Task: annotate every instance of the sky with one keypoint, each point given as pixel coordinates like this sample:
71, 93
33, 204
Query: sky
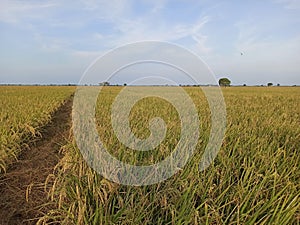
45, 42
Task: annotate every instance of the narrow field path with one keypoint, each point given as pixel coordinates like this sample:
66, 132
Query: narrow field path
22, 196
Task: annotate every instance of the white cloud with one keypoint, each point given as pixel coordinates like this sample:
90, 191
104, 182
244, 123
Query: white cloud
289, 4
266, 58
88, 55
15, 11
98, 36
105, 10
255, 39
150, 28
125, 26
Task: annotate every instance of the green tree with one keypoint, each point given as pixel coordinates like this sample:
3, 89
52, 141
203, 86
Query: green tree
224, 82
270, 84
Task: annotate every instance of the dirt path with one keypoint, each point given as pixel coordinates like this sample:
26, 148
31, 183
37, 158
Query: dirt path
32, 169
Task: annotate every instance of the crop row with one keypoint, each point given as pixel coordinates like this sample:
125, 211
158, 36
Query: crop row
24, 111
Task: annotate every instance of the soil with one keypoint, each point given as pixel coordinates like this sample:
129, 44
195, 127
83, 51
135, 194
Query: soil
23, 198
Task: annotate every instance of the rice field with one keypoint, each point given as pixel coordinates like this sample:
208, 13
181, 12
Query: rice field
253, 180
23, 113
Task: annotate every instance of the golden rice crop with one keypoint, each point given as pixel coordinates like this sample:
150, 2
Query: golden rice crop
253, 180
24, 110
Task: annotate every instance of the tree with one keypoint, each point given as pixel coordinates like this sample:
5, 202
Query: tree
224, 82
105, 83
270, 84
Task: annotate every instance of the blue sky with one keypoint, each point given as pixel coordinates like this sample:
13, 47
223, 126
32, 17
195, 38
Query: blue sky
55, 41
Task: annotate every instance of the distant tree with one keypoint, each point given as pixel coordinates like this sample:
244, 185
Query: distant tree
105, 83
244, 85
278, 85
270, 84
125, 84
224, 82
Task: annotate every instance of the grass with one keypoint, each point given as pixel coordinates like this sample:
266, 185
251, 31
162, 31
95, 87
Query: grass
253, 180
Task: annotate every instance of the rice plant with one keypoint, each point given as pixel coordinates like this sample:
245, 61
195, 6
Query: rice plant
24, 111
